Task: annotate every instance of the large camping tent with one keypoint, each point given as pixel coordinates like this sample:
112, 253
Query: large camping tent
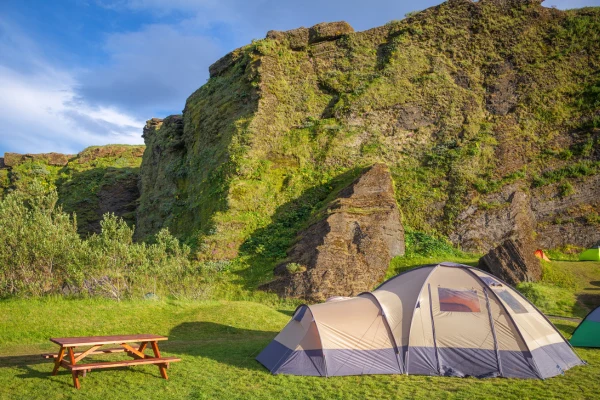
587, 333
445, 319
592, 254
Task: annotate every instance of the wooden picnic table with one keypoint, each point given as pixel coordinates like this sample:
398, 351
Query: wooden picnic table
68, 345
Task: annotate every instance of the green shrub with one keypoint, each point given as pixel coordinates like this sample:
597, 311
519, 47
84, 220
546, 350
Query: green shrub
566, 189
566, 253
41, 253
421, 244
294, 268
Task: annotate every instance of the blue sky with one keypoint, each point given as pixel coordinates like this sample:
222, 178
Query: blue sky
89, 72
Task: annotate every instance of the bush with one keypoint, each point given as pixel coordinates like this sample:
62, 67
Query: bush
41, 253
39, 244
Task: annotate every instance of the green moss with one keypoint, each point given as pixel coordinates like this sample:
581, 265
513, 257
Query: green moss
81, 181
432, 96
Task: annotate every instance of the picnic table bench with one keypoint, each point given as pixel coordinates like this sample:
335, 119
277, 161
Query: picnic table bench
68, 345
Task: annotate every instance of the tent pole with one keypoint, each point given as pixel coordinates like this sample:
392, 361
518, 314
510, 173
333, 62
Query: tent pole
493, 328
387, 327
437, 356
537, 370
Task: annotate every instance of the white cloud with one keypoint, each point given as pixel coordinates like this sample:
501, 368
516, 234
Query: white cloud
155, 68
41, 113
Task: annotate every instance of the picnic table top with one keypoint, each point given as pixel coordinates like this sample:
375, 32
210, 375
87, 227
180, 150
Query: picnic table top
96, 340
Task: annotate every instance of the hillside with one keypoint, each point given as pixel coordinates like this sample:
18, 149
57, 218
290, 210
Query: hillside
98, 180
469, 103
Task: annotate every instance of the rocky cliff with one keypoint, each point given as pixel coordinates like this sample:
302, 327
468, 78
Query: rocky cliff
469, 103
98, 180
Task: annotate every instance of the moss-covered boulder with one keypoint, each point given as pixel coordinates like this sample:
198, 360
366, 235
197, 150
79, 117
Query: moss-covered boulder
349, 249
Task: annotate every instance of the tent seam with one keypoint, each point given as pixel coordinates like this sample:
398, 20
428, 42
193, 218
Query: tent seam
412, 318
387, 325
535, 308
537, 369
493, 329
320, 340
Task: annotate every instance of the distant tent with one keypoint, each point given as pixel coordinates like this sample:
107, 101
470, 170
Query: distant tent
541, 255
587, 333
443, 319
590, 255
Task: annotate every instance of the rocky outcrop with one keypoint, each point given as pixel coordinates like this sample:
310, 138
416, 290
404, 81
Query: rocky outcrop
98, 180
349, 250
558, 220
300, 38
513, 261
568, 220
297, 38
465, 135
508, 214
55, 159
161, 167
222, 64
328, 31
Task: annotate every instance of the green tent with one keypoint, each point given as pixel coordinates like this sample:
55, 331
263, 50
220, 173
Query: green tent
590, 255
587, 334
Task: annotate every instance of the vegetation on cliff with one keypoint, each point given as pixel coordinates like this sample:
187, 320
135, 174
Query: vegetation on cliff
98, 180
41, 253
462, 101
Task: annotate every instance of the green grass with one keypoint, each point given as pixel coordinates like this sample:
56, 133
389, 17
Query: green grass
218, 342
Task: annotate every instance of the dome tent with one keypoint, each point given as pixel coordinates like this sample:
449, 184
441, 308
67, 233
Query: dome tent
587, 333
442, 319
592, 254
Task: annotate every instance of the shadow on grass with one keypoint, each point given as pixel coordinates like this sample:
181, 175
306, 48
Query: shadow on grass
590, 300
225, 344
19, 361
289, 313
595, 283
566, 330
24, 365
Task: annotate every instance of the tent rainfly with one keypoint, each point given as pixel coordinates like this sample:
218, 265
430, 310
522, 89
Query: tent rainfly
587, 333
445, 319
592, 254
539, 253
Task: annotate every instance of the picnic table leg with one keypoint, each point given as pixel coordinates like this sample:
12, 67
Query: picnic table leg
74, 373
61, 354
161, 367
142, 347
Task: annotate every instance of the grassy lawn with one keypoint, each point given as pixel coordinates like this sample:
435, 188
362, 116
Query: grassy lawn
218, 341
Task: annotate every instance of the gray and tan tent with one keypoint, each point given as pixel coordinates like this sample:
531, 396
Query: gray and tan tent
445, 319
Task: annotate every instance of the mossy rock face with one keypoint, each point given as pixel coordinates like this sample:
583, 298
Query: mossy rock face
328, 31
55, 159
98, 180
349, 249
459, 100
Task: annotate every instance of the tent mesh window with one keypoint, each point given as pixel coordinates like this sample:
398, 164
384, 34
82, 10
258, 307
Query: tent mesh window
511, 301
458, 300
